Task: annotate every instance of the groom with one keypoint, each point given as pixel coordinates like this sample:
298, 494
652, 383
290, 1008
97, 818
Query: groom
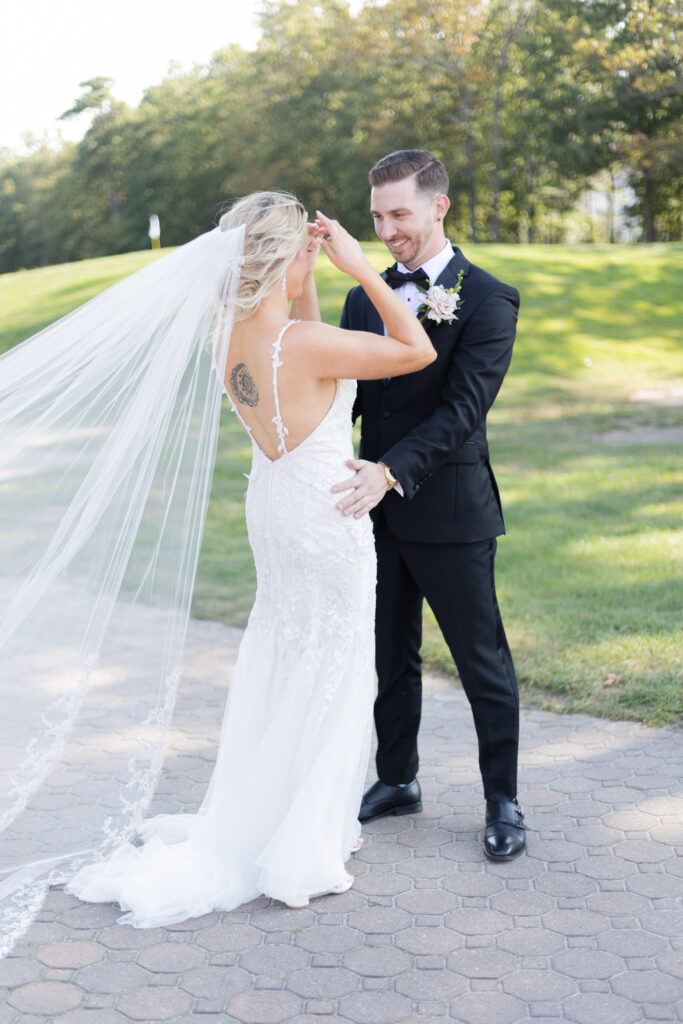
425, 470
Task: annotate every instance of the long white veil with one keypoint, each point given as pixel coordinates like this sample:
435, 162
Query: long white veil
108, 432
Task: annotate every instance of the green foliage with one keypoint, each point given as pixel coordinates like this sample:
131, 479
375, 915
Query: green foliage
523, 99
626, 58
584, 447
97, 96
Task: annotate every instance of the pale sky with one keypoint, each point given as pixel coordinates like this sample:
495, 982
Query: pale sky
48, 46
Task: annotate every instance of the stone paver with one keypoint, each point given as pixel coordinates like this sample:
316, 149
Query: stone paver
587, 928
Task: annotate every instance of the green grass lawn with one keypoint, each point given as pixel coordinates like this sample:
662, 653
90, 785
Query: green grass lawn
585, 439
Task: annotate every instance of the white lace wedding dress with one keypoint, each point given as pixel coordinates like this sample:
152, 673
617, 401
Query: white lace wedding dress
280, 816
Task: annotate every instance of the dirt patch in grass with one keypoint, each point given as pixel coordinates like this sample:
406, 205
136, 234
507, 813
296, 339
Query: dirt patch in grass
669, 395
643, 435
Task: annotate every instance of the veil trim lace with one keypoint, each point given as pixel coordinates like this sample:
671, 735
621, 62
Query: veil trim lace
108, 433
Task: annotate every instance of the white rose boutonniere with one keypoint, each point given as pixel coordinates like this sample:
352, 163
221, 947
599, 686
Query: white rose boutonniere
440, 303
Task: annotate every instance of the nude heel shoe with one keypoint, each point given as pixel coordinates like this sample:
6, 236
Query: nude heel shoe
343, 886
337, 890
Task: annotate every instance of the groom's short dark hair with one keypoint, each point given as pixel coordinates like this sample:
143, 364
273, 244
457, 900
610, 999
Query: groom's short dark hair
430, 174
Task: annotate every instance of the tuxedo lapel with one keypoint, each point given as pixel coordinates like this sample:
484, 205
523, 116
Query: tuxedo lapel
374, 321
447, 279
449, 275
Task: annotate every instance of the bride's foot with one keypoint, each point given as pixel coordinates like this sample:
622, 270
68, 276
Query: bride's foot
343, 886
337, 890
357, 845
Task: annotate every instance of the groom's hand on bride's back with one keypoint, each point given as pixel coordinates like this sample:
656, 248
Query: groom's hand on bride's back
368, 486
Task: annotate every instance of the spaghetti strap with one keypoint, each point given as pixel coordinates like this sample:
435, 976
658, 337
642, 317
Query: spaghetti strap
281, 429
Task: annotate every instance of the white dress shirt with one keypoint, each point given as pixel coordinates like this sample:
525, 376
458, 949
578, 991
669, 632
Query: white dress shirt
409, 295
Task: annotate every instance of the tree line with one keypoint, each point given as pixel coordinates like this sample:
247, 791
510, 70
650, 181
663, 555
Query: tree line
524, 100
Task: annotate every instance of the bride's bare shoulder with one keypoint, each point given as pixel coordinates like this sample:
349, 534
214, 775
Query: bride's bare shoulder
314, 333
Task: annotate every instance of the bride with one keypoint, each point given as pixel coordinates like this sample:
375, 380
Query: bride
280, 814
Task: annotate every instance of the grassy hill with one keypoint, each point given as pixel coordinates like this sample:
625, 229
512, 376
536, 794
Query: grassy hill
586, 443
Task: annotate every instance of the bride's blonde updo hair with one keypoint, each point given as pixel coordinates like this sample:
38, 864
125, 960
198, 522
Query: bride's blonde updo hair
275, 227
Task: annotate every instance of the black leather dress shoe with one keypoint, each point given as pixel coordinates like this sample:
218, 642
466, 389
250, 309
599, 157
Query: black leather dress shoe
505, 834
381, 800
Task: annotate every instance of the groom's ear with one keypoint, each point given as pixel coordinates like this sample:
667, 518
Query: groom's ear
441, 206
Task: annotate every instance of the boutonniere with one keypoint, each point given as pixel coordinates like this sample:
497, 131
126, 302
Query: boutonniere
440, 303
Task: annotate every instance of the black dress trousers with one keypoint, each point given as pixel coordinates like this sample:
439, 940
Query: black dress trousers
458, 582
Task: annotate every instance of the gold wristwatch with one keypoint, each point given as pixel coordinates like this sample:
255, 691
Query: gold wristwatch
391, 479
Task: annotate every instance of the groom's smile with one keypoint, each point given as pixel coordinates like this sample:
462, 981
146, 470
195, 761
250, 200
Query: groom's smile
409, 222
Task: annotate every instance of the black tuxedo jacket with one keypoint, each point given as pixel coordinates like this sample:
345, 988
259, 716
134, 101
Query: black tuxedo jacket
430, 426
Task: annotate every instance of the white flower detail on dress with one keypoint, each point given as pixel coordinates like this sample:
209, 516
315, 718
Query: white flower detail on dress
440, 303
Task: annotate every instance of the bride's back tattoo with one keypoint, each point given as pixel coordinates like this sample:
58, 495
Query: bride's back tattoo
243, 385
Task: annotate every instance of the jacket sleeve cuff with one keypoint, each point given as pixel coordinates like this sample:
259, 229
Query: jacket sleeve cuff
400, 471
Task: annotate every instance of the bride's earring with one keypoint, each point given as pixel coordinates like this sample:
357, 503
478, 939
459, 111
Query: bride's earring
284, 283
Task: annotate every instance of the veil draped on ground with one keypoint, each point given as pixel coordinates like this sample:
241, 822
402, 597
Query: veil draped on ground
108, 433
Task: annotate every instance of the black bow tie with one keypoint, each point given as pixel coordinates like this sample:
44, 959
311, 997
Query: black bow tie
395, 278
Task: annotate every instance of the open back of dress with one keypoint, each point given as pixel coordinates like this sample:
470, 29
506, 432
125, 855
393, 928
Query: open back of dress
265, 425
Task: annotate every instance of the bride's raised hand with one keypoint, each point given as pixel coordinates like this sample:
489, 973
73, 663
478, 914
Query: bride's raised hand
312, 246
342, 248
